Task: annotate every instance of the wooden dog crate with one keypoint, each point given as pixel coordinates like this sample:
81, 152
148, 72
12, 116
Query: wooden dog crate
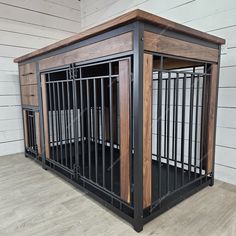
127, 111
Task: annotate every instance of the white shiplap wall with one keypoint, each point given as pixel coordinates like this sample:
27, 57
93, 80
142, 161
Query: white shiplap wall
26, 25
214, 16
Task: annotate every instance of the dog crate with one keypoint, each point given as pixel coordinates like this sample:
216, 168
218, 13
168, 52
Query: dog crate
126, 111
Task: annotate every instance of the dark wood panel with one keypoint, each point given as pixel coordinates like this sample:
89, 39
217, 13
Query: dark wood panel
45, 116
25, 128
171, 63
38, 132
124, 102
163, 44
122, 20
212, 118
118, 44
29, 95
26, 69
147, 129
28, 79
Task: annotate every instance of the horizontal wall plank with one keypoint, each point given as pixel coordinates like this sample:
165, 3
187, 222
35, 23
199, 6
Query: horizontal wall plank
224, 156
10, 113
226, 137
7, 88
46, 8
225, 117
30, 29
13, 51
12, 100
7, 64
9, 76
22, 15
20, 40
223, 19
7, 136
11, 124
228, 58
227, 78
227, 97
15, 146
225, 173
73, 4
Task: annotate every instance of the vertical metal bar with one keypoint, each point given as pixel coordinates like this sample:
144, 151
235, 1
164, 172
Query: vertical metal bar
159, 126
95, 129
165, 132
103, 135
55, 110
111, 124
51, 117
191, 124
138, 123
82, 121
65, 121
196, 129
183, 127
89, 130
59, 120
203, 123
69, 117
75, 118
168, 131
176, 125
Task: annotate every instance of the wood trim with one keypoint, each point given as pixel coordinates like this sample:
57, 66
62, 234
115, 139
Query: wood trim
124, 103
25, 129
38, 133
162, 44
45, 116
118, 44
212, 117
147, 129
119, 21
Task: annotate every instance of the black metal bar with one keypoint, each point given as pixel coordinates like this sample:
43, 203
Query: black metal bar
168, 131
103, 135
59, 121
65, 122
183, 127
176, 125
190, 138
196, 128
50, 94
159, 126
75, 119
69, 116
95, 129
138, 123
111, 124
82, 122
89, 128
56, 120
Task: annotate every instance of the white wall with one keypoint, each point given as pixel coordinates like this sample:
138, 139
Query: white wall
26, 25
214, 16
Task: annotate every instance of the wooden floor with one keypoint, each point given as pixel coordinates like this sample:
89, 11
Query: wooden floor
36, 202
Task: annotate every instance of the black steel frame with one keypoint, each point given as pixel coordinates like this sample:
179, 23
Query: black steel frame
139, 216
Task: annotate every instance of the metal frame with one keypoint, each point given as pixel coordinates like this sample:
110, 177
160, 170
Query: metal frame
139, 216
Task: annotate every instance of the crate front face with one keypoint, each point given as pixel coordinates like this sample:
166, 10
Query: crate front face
88, 125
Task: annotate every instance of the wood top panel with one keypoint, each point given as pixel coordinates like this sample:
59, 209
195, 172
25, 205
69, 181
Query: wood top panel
119, 21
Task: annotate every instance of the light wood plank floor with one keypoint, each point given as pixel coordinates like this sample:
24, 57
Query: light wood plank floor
36, 202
